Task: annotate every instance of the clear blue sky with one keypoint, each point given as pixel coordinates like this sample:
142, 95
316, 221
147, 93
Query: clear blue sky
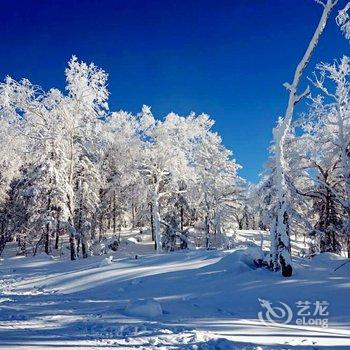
227, 58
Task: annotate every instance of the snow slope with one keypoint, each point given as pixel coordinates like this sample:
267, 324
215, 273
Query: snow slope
208, 299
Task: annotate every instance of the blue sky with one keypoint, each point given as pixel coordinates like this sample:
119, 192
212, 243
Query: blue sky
227, 58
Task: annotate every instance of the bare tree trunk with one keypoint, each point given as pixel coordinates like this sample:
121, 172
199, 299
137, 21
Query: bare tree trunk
47, 239
47, 233
72, 241
152, 226
207, 232
84, 247
72, 231
57, 239
114, 215
100, 228
57, 233
182, 218
72, 244
156, 221
4, 237
133, 214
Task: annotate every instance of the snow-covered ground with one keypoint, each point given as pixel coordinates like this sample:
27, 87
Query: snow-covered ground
184, 300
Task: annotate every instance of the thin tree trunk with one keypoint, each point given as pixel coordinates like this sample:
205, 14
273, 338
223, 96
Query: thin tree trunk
47, 233
156, 221
133, 214
152, 226
57, 238
182, 218
114, 215
100, 228
3, 236
47, 239
72, 244
207, 232
84, 247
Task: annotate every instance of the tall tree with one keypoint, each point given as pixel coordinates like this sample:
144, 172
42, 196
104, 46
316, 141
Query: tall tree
280, 237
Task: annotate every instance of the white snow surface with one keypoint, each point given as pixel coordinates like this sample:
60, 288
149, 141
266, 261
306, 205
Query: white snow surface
192, 300
106, 261
144, 308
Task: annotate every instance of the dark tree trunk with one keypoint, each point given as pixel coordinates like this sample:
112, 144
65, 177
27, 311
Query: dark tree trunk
182, 218
2, 243
207, 232
114, 215
3, 236
72, 244
287, 269
47, 239
84, 248
100, 228
152, 227
57, 238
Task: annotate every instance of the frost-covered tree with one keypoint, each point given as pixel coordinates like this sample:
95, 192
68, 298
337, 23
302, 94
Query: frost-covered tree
326, 153
165, 159
87, 201
11, 159
44, 169
217, 180
72, 169
343, 20
280, 235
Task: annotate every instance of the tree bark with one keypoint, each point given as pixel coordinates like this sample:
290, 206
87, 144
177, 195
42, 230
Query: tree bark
156, 221
152, 226
114, 215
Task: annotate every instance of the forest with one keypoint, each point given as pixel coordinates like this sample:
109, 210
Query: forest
83, 184
73, 168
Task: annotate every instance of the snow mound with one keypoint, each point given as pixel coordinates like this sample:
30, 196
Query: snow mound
331, 263
326, 258
106, 261
251, 254
132, 240
239, 261
144, 308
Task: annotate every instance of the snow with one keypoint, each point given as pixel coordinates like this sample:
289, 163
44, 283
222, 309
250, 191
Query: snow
201, 299
144, 308
106, 261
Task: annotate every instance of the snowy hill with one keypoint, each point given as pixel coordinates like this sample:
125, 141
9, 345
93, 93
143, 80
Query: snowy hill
183, 300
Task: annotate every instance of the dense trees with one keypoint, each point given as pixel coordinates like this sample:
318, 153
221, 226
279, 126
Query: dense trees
73, 171
71, 168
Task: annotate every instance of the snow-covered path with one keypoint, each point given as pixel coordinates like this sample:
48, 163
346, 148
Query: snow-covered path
209, 301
